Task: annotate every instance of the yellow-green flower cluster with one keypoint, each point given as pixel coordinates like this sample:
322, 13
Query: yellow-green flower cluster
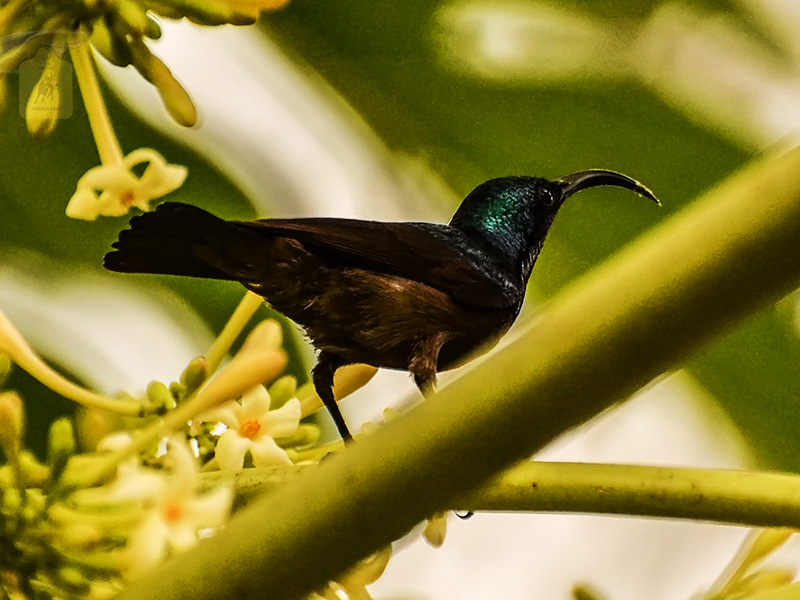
109, 504
119, 30
750, 574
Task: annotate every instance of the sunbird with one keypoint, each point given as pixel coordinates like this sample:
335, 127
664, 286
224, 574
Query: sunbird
421, 297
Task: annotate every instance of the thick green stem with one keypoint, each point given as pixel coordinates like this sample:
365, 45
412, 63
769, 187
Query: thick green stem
638, 315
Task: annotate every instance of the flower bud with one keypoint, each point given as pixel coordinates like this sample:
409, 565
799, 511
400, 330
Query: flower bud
351, 378
763, 581
765, 543
436, 530
305, 435
61, 445
152, 28
264, 336
280, 392
178, 391
73, 579
108, 43
33, 472
194, 375
160, 397
11, 60
346, 381
242, 374
176, 99
92, 426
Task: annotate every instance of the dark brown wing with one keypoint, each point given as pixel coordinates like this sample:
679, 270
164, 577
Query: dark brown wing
436, 255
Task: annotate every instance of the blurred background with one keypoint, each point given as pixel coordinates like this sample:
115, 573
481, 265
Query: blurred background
395, 111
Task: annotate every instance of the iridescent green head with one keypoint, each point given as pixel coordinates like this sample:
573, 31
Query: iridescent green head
514, 214
522, 205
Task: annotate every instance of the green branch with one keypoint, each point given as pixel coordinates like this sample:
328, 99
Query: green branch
753, 499
725, 496
640, 314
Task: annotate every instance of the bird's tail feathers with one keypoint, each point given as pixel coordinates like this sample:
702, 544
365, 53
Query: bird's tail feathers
176, 239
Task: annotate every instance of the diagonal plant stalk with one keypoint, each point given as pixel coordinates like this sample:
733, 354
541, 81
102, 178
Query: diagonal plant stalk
638, 315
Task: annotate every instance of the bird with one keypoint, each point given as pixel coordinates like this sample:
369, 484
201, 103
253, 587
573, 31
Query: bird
415, 296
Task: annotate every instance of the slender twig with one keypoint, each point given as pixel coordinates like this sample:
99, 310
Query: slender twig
755, 499
107, 144
241, 315
19, 351
725, 496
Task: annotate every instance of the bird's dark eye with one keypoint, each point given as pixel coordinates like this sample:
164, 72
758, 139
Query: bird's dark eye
546, 196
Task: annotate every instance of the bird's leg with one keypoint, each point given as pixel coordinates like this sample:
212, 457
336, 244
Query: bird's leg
322, 376
424, 362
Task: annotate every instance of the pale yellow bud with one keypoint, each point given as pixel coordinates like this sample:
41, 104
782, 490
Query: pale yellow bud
346, 381
241, 375
351, 378
766, 542
160, 396
436, 530
305, 435
264, 336
61, 443
176, 99
763, 581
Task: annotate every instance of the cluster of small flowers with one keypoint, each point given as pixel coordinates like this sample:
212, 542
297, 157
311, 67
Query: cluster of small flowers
84, 524
752, 573
118, 31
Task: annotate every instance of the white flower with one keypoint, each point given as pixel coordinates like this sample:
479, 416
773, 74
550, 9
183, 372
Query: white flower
175, 514
112, 189
133, 481
252, 427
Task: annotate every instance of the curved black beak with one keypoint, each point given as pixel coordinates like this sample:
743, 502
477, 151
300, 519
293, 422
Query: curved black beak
583, 180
